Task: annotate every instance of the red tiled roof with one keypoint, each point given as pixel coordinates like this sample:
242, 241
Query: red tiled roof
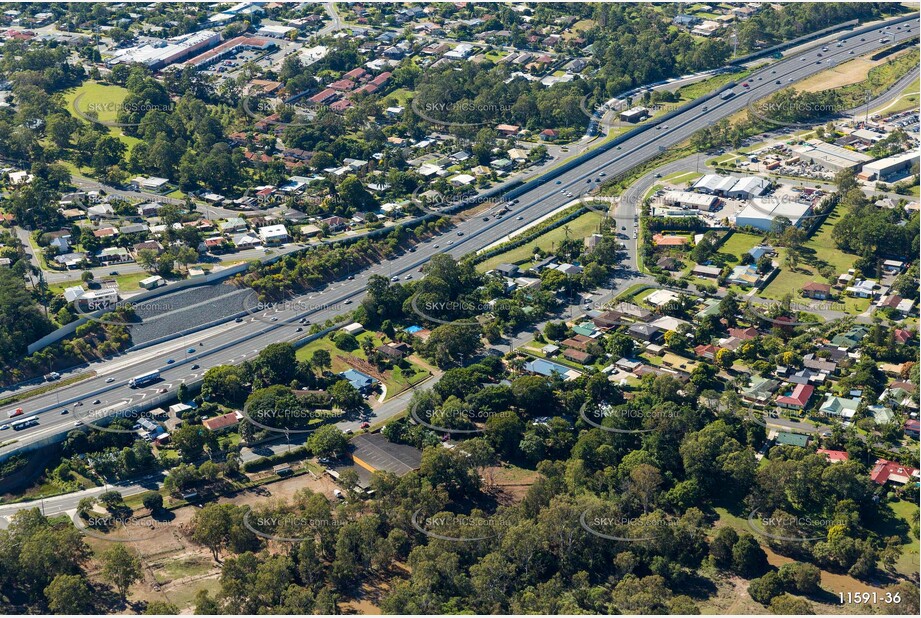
812, 286
744, 334
323, 97
833, 456
886, 470
706, 350
800, 396
221, 422
342, 84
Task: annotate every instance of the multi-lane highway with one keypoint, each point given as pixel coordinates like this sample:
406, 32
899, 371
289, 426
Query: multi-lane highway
234, 342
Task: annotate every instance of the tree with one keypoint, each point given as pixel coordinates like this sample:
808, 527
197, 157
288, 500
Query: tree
789, 605
153, 502
161, 608
69, 594
801, 577
748, 559
122, 567
504, 431
277, 363
321, 359
345, 396
722, 544
211, 527
327, 441
555, 330
764, 589
449, 344
224, 383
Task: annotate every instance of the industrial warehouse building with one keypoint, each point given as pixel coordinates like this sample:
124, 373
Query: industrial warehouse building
634, 114
374, 452
161, 53
715, 184
761, 211
743, 188
686, 199
882, 169
829, 156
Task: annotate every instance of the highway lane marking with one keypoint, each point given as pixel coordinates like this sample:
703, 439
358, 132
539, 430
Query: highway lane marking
795, 72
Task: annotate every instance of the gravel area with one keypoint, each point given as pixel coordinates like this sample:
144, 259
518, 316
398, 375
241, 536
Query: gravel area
169, 314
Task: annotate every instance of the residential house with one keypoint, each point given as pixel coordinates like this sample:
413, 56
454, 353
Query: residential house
832, 455
792, 439
645, 332
222, 422
362, 382
759, 390
817, 291
839, 407
798, 399
892, 471
541, 366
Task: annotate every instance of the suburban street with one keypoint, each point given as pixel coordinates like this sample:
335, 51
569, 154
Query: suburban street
235, 342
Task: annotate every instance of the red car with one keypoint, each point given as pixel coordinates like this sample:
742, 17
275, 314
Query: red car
364, 425
745, 84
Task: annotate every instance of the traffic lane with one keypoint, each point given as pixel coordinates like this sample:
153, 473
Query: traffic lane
686, 126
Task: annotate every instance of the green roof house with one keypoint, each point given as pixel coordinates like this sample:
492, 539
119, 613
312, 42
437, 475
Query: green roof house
792, 439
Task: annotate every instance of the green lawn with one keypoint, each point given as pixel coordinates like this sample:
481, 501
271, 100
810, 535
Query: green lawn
906, 513
394, 380
126, 283
681, 177
495, 55
400, 95
908, 99
105, 100
739, 243
693, 91
580, 227
818, 249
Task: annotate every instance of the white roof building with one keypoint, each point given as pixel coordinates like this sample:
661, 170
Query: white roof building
748, 187
690, 200
715, 183
661, 297
273, 233
760, 212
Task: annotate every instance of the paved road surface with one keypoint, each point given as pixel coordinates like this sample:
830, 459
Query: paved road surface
243, 341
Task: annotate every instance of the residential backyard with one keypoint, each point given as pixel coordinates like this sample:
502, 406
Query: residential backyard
396, 380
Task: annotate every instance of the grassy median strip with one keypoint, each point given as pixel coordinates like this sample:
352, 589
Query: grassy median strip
47, 388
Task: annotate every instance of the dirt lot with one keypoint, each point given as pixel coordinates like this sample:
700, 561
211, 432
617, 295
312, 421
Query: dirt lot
851, 72
175, 569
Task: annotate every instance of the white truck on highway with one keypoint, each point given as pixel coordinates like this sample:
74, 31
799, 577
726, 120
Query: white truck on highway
728, 94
